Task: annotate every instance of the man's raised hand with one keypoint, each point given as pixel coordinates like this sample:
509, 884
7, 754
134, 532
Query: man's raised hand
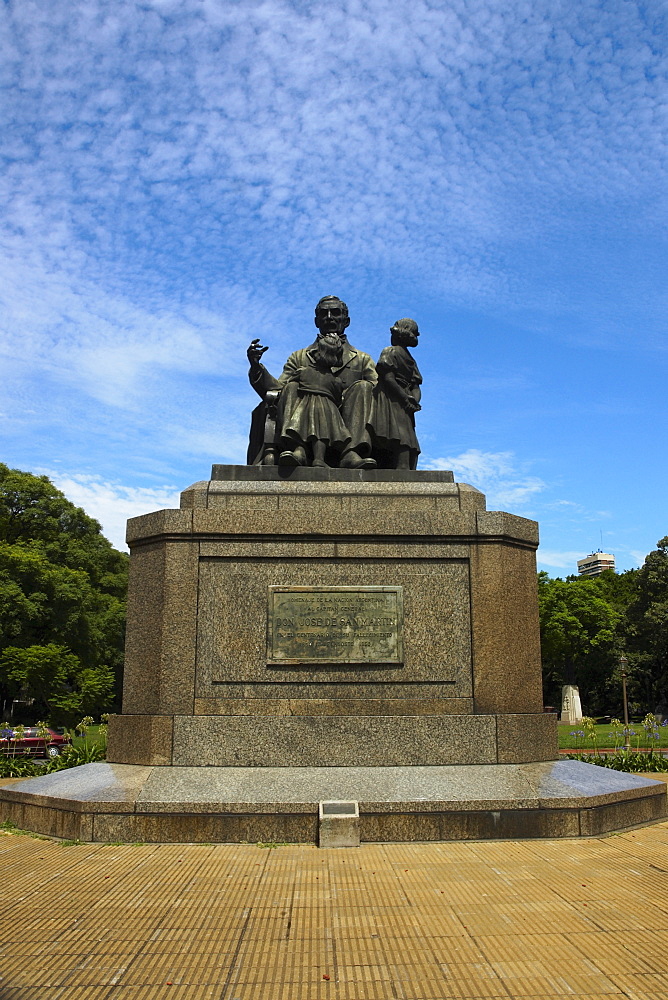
255, 352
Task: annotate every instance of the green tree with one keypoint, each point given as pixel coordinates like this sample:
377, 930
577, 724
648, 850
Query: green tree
62, 601
579, 641
618, 589
647, 631
33, 510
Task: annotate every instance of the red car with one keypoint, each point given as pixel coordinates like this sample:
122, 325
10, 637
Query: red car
31, 745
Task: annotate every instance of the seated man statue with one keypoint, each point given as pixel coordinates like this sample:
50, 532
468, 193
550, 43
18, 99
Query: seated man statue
356, 374
316, 419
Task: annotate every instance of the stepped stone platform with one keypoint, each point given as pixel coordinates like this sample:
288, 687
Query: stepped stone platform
301, 635
107, 802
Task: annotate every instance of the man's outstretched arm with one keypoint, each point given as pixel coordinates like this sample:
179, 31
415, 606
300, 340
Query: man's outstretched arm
258, 376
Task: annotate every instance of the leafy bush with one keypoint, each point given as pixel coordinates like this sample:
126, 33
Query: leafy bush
19, 767
70, 756
74, 756
633, 761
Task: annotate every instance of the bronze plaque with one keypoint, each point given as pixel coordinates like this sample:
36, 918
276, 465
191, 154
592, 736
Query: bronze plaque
334, 625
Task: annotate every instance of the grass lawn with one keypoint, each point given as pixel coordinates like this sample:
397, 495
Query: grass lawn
604, 738
92, 736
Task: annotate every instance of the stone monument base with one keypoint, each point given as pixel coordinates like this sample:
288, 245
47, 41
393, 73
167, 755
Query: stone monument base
429, 736
109, 802
253, 640
298, 636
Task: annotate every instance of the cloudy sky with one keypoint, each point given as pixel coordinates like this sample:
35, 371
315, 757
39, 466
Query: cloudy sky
180, 176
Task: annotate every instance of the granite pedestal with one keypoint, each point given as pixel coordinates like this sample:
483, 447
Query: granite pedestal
129, 802
215, 723
198, 686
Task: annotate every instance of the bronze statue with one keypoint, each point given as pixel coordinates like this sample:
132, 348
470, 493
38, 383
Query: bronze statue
274, 434
397, 399
315, 419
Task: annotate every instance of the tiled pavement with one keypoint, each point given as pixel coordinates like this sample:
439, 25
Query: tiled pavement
559, 918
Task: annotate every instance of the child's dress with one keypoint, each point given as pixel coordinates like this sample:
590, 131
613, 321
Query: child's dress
316, 416
392, 424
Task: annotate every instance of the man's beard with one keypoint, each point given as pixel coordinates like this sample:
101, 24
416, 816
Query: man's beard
330, 353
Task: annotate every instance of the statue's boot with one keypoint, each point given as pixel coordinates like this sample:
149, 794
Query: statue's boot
295, 457
351, 460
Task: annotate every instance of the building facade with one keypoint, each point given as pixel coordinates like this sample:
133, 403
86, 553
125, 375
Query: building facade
596, 563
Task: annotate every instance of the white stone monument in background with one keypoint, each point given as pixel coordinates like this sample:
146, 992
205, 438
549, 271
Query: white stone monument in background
571, 708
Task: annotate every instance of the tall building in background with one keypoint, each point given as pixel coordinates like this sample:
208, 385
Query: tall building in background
595, 563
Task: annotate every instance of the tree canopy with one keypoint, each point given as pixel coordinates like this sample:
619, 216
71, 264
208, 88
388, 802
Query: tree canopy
647, 628
62, 602
587, 623
578, 639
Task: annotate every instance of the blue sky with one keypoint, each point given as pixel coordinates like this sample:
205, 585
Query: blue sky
180, 176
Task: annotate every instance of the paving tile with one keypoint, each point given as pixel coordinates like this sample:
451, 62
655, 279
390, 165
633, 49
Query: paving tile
430, 921
87, 993
181, 970
17, 948
611, 915
99, 969
609, 951
36, 972
537, 995
642, 994
361, 989
520, 947
39, 993
465, 982
646, 983
164, 992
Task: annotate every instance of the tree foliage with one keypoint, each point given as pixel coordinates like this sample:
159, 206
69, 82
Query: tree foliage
578, 639
647, 629
587, 623
62, 602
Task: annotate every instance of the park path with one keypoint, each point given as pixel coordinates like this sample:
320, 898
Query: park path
557, 918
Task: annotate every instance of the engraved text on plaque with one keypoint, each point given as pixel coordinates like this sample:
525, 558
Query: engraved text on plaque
335, 625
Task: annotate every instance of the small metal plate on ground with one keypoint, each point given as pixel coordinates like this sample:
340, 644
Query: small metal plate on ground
338, 824
334, 625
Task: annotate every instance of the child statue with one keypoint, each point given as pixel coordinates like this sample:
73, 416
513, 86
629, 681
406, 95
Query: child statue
396, 400
316, 420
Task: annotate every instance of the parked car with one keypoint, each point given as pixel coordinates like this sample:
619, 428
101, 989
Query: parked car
31, 745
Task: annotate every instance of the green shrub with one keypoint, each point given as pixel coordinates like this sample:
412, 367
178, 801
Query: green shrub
633, 761
19, 767
74, 756
85, 751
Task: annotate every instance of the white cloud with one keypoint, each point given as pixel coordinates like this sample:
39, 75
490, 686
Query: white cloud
431, 140
478, 466
495, 473
108, 347
181, 175
552, 559
113, 503
576, 513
